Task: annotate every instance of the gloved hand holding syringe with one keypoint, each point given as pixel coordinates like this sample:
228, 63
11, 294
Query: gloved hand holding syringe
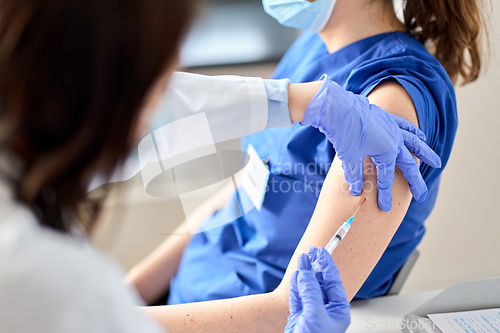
335, 241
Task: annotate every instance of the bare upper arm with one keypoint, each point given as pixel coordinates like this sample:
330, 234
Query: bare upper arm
393, 98
373, 229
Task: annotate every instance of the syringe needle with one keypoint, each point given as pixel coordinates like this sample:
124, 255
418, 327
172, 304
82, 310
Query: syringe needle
335, 240
359, 208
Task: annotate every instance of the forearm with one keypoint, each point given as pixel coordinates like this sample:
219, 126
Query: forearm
152, 276
299, 97
256, 313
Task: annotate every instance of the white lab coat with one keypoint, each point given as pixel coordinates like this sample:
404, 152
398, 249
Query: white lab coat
55, 283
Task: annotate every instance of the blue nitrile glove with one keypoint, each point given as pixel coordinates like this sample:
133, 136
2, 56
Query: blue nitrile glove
358, 129
312, 310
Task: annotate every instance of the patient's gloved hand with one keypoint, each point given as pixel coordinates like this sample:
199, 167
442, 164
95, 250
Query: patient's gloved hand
358, 129
316, 309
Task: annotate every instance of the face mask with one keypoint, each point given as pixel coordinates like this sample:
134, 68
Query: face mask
301, 14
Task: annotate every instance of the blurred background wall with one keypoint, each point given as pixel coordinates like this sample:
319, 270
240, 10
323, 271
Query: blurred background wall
463, 231
463, 237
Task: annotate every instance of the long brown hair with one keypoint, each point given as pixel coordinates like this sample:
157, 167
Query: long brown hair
452, 30
73, 78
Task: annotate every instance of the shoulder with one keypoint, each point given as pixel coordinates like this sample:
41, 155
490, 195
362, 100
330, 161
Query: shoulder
59, 283
399, 54
411, 83
403, 76
395, 99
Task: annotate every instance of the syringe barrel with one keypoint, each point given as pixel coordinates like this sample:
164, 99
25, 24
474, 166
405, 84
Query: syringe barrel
339, 235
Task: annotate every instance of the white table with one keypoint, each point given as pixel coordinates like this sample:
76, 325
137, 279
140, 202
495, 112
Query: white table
384, 314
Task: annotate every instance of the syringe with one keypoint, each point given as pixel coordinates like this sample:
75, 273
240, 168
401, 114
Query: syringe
335, 241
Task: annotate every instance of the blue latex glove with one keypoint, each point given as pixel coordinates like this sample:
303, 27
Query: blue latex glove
315, 309
358, 129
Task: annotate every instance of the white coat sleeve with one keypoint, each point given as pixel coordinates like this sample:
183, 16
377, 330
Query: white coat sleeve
234, 106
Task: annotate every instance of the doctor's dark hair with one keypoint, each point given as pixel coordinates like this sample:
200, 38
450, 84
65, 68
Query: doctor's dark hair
74, 75
453, 32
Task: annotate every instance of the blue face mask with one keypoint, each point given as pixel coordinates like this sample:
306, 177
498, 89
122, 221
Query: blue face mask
301, 14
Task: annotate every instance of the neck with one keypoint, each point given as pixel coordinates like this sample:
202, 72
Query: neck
354, 20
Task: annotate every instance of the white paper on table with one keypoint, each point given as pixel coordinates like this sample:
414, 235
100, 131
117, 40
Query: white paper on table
481, 321
428, 325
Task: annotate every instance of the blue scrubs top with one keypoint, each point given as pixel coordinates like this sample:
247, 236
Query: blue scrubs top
250, 254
